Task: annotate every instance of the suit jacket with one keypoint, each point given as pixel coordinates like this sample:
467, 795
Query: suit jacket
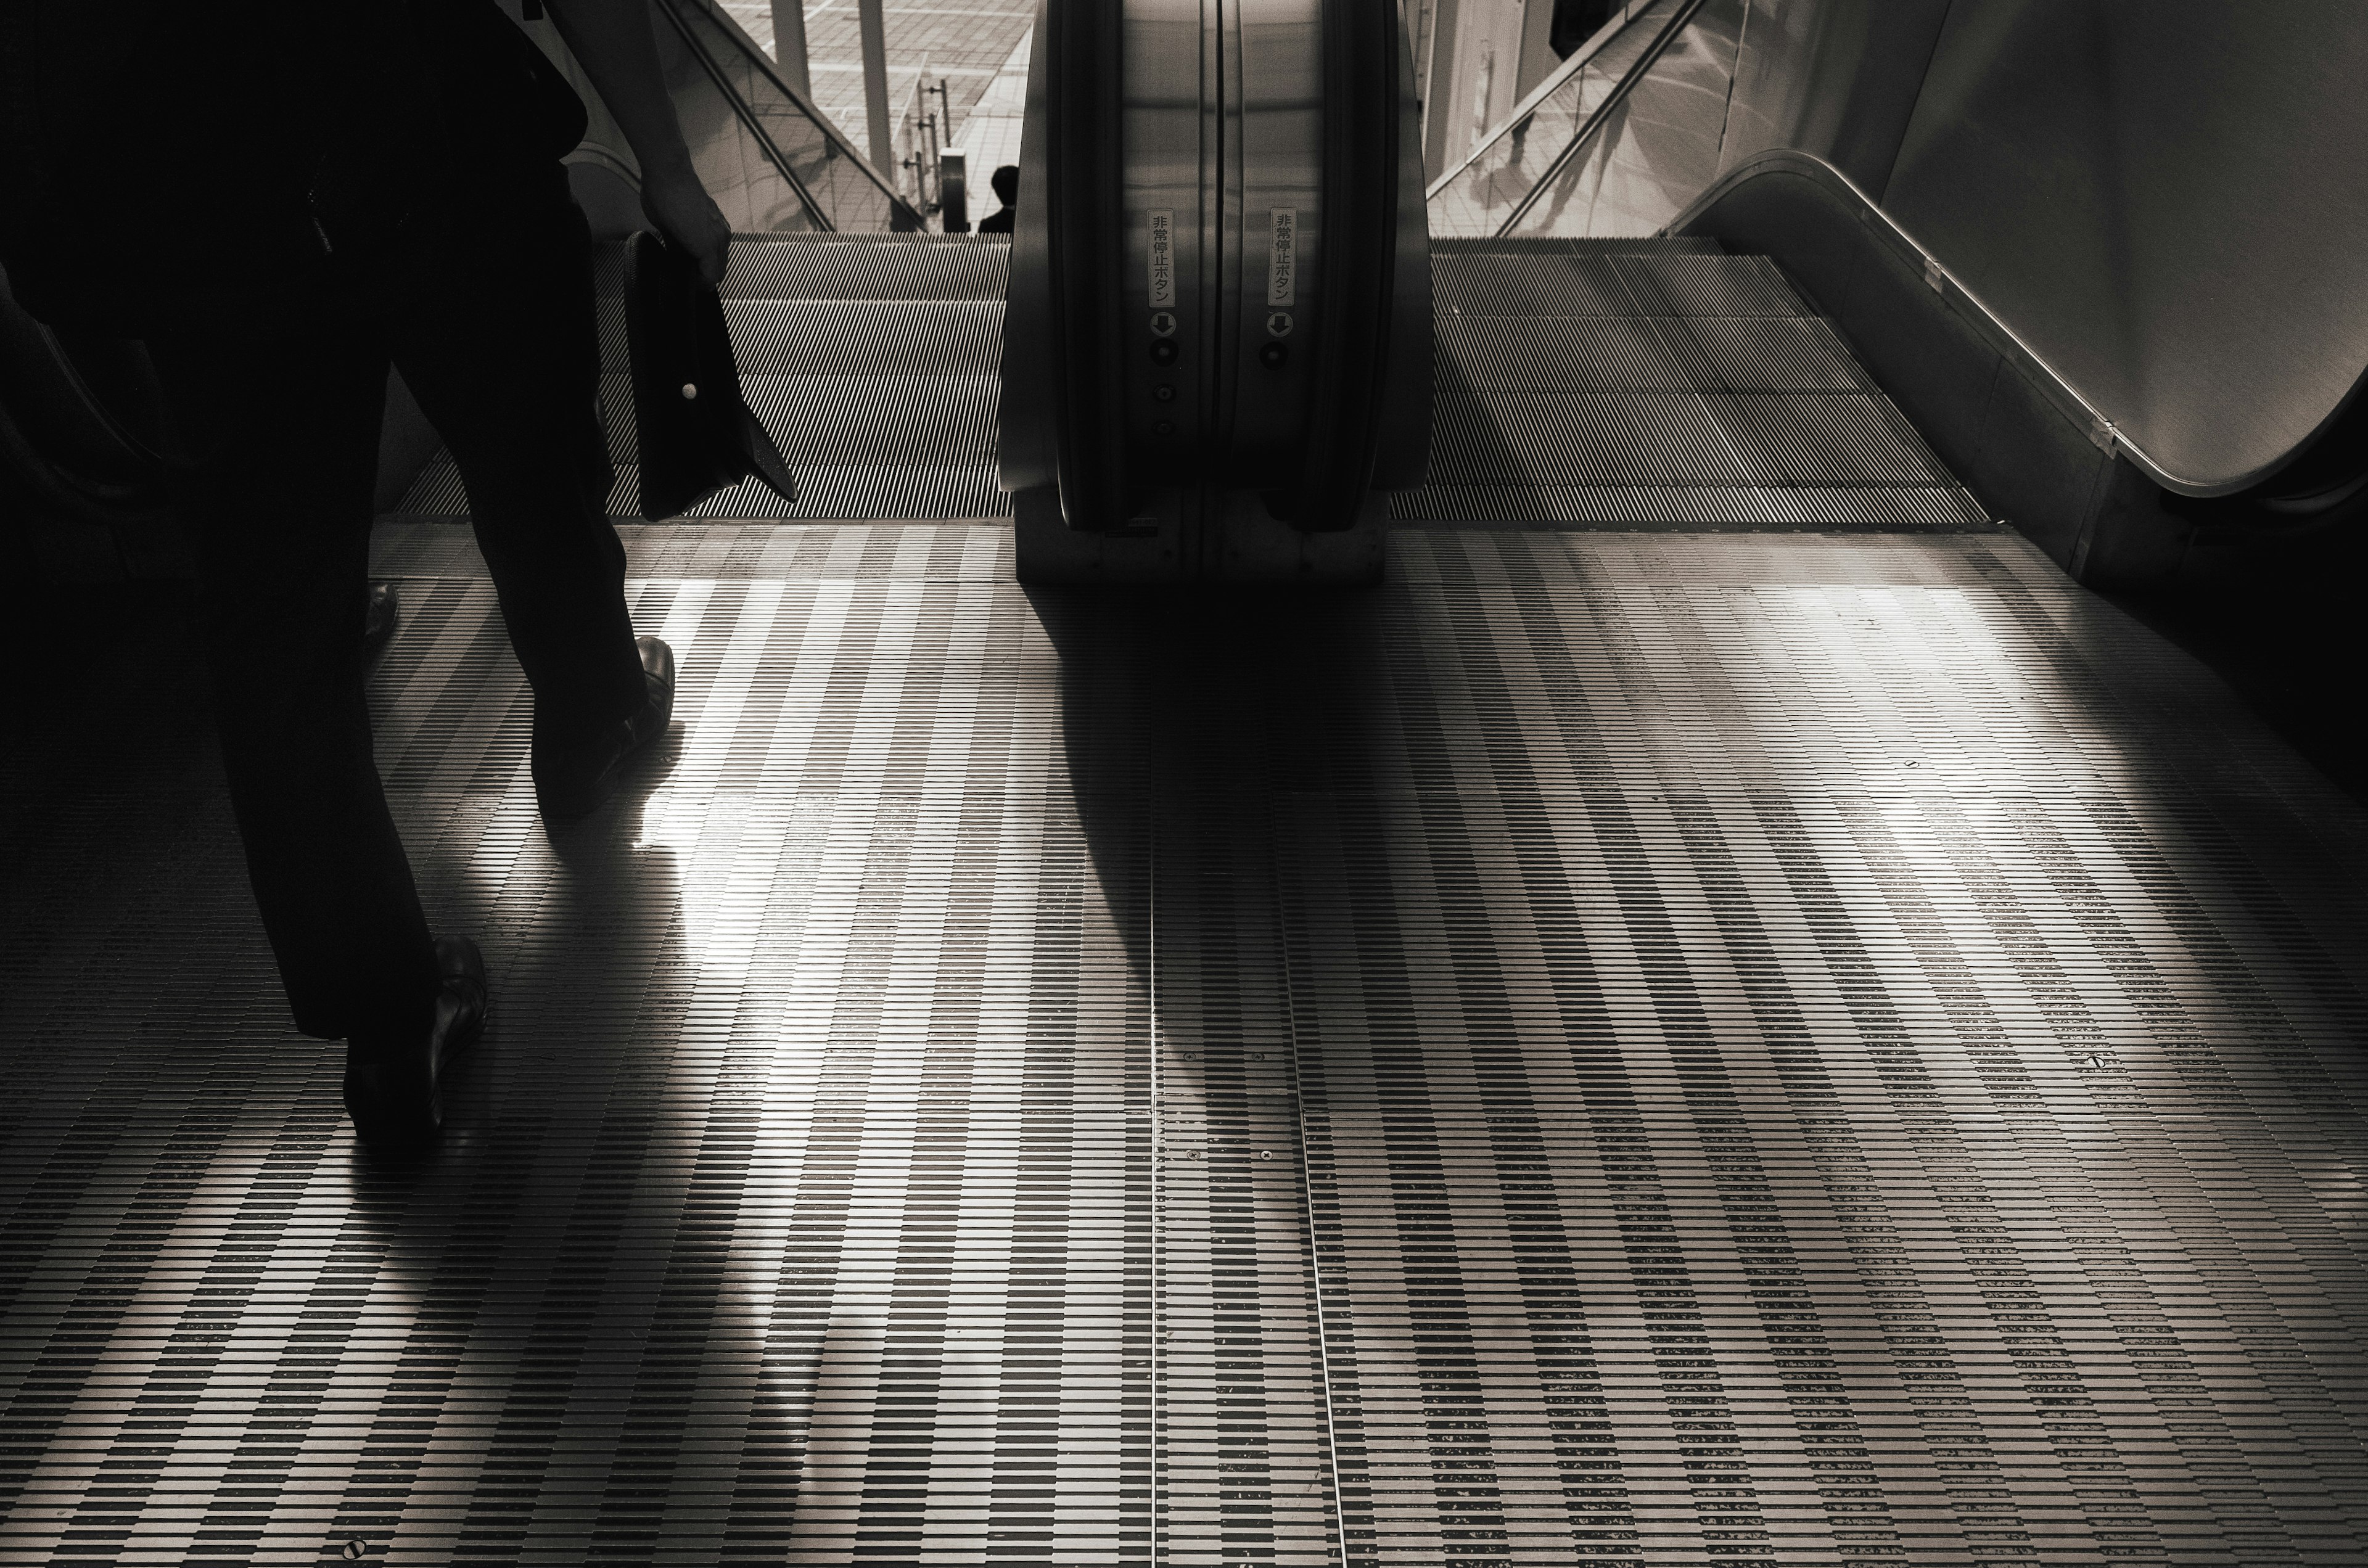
161, 160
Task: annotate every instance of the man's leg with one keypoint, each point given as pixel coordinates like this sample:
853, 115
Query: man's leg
491, 318
284, 423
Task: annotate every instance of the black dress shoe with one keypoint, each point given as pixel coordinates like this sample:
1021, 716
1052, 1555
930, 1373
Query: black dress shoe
379, 614
572, 778
395, 1094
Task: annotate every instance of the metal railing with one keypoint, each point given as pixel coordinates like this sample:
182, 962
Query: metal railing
923, 131
1494, 188
804, 174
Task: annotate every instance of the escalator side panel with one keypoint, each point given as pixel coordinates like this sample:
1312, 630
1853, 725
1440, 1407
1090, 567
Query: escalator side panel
1222, 386
1403, 444
1085, 151
1167, 335
1364, 72
1032, 364
1276, 236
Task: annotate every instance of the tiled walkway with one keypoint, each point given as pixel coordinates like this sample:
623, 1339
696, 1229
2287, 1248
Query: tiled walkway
1671, 1031
1662, 1047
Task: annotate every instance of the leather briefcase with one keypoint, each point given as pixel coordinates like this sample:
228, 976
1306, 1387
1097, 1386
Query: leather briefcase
695, 432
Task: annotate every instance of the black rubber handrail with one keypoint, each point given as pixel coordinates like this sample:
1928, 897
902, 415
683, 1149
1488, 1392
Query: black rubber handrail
2052, 383
64, 438
1679, 21
1359, 265
1085, 229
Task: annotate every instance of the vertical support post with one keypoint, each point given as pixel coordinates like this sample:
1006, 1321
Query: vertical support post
1537, 56
790, 44
1438, 86
874, 31
1420, 20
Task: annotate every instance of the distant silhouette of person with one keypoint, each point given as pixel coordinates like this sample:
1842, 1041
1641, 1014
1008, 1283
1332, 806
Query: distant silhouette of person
281, 197
1005, 181
1576, 21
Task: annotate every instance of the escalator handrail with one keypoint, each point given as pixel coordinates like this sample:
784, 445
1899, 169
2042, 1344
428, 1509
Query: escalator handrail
63, 441
1358, 265
1085, 217
1963, 302
1555, 80
901, 211
1679, 21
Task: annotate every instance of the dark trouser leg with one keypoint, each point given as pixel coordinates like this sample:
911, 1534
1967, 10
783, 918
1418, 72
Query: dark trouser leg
491, 318
284, 421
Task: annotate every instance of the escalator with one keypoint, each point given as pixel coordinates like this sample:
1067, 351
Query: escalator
1636, 973
1217, 354
1683, 120
1660, 383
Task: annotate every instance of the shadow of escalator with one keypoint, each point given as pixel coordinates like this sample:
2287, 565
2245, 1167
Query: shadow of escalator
1187, 717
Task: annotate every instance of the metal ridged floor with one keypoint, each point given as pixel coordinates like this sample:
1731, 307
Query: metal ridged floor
1658, 383
1663, 1046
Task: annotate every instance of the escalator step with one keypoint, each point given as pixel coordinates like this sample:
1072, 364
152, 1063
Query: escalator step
1658, 386
1528, 286
1547, 245
867, 337
954, 266
1558, 353
826, 491
1755, 353
1654, 507
1646, 383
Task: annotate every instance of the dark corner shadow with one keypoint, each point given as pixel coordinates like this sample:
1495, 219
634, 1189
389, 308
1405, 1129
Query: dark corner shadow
2280, 623
116, 690
1189, 716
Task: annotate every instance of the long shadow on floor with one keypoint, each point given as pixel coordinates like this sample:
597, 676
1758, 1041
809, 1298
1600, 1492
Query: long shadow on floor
557, 1283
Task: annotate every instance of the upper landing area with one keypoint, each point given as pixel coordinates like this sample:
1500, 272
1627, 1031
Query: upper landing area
1636, 383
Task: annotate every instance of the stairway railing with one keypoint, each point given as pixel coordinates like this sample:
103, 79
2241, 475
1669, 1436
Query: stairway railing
1491, 191
804, 175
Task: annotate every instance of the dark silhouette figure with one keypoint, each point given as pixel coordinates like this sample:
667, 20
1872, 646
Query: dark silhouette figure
1576, 21
1005, 181
282, 199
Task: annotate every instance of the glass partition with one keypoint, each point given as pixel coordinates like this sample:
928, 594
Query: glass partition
771, 160
1652, 150
1475, 198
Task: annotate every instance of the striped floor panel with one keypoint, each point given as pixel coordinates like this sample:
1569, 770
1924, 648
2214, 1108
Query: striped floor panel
800, 1205
1803, 1056
1678, 1048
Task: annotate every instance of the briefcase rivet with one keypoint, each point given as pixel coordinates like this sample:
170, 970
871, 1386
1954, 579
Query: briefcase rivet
690, 389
